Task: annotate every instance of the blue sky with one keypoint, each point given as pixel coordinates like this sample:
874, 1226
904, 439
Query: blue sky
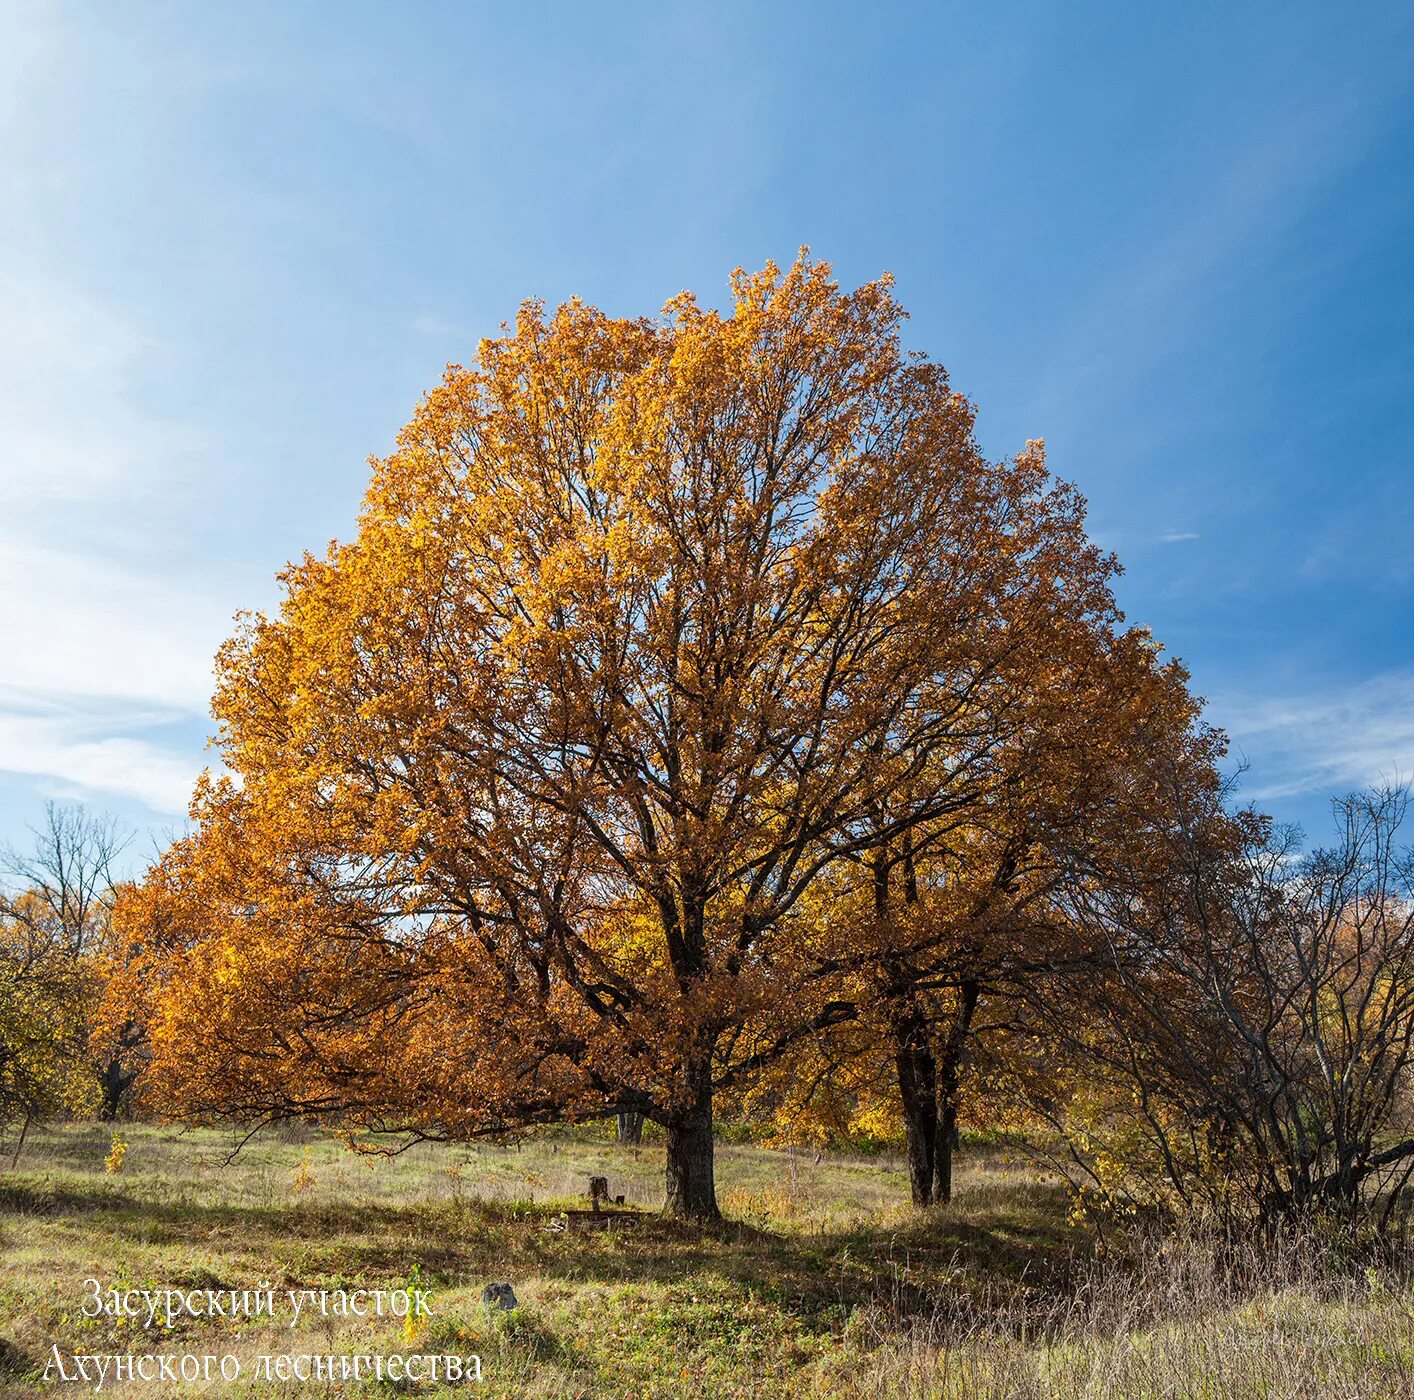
237, 242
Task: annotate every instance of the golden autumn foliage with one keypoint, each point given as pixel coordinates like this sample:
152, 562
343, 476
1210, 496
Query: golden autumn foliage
552, 789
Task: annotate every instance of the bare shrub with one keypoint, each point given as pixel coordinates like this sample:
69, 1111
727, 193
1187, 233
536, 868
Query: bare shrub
1247, 1051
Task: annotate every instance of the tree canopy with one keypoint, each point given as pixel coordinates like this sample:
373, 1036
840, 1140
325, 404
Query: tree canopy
549, 790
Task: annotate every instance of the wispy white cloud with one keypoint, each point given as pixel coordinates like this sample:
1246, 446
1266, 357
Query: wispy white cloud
69, 423
76, 627
106, 657
1177, 536
1324, 742
107, 647
73, 753
108, 675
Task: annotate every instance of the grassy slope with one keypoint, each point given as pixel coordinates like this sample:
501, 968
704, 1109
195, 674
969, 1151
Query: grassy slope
825, 1283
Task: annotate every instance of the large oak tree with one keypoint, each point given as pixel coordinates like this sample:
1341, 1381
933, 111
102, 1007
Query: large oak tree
649, 626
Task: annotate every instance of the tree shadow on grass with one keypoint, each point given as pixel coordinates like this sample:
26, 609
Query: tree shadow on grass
817, 1277
79, 1147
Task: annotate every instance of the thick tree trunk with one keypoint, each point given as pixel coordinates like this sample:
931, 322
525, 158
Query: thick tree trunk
692, 1190
918, 1095
691, 1187
631, 1128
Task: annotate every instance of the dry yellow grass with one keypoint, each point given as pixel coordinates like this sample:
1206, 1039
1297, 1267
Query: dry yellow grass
823, 1283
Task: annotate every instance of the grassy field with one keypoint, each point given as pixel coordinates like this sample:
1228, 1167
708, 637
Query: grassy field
823, 1282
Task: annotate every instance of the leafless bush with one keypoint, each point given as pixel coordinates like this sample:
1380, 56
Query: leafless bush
1248, 1051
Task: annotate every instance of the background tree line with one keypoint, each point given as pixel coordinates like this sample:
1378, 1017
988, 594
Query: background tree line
57, 1054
